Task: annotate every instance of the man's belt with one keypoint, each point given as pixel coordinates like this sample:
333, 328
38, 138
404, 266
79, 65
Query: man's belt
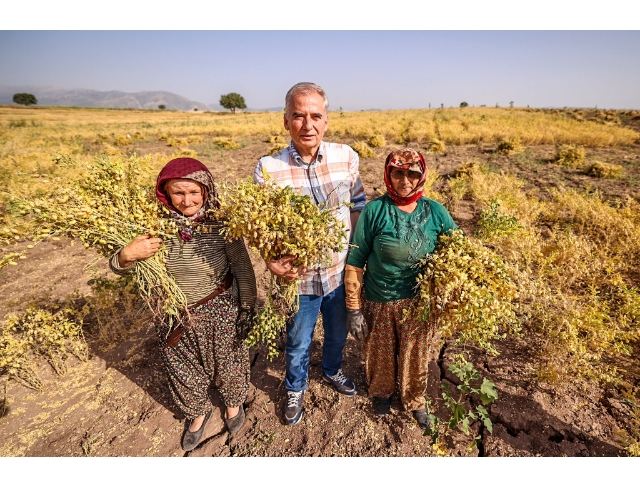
176, 334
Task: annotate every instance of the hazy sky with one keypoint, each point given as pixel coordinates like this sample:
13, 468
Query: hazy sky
358, 69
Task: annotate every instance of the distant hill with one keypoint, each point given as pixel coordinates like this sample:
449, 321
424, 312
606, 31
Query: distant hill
80, 97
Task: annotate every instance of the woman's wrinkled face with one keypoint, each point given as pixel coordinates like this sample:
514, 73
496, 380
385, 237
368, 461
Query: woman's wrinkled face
187, 196
404, 181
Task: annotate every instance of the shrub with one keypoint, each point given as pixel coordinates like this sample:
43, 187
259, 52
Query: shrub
570, 155
120, 140
604, 170
277, 148
185, 153
363, 150
510, 146
436, 146
174, 142
376, 141
226, 143
276, 139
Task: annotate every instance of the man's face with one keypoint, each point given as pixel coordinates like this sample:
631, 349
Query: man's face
306, 121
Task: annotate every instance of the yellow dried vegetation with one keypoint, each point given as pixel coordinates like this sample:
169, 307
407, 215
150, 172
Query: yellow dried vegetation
106, 207
276, 222
52, 335
363, 150
467, 291
570, 155
573, 259
604, 170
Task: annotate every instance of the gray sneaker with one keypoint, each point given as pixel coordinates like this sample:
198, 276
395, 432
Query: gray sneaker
293, 408
341, 383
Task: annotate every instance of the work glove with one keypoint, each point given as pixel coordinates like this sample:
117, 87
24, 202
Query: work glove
245, 322
356, 324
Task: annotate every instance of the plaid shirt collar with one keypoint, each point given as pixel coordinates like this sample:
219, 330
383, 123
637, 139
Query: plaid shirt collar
298, 158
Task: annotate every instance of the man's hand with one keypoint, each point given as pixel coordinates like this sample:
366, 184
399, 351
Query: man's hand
140, 248
284, 269
356, 324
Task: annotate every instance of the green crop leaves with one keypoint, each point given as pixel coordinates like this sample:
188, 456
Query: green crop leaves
462, 416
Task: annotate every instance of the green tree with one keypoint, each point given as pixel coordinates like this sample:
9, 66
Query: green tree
231, 101
511, 104
162, 107
464, 104
25, 99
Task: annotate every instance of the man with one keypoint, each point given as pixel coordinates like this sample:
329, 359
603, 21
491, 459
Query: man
329, 174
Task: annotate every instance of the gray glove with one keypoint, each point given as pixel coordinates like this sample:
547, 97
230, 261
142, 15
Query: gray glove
356, 324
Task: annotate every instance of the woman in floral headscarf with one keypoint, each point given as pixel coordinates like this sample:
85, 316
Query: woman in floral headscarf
218, 281
393, 233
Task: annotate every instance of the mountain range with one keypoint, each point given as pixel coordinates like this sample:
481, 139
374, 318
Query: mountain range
81, 97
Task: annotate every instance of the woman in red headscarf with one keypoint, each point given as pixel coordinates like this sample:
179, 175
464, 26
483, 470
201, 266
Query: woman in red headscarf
218, 281
393, 233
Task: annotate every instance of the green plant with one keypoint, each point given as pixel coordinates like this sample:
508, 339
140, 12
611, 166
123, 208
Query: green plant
460, 417
25, 99
464, 104
494, 224
162, 107
231, 101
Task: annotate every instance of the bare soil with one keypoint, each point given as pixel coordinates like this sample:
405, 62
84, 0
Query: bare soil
117, 403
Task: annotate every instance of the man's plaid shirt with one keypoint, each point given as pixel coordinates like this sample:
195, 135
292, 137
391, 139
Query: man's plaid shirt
333, 178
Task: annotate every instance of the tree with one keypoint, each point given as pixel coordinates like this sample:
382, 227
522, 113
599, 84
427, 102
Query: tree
25, 99
464, 104
231, 101
162, 107
511, 104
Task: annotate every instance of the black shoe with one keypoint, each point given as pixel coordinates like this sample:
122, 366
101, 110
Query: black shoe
421, 416
341, 383
235, 423
293, 408
381, 405
191, 439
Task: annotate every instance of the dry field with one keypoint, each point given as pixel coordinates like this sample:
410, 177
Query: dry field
555, 193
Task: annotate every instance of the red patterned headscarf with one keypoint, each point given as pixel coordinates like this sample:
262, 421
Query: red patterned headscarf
187, 168
405, 159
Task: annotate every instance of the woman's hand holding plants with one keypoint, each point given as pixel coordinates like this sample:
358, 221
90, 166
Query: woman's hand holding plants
140, 248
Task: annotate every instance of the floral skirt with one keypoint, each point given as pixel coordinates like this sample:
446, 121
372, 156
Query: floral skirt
208, 353
396, 350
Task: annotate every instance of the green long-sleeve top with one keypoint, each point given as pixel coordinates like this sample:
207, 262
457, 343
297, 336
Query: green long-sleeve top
390, 242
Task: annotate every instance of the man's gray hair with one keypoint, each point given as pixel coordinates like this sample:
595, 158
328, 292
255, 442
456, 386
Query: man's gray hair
305, 88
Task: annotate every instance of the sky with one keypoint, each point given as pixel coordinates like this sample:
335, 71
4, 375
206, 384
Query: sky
359, 69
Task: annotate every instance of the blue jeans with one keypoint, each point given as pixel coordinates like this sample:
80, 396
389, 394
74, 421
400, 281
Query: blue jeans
300, 333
